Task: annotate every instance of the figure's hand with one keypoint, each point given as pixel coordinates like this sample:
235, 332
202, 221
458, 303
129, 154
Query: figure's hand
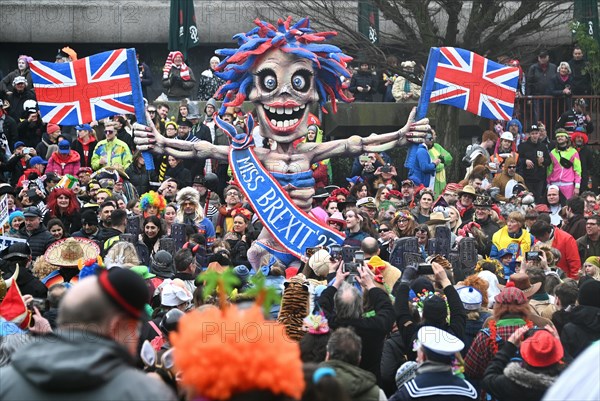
517, 336
440, 275
529, 164
365, 277
147, 137
414, 131
340, 276
41, 325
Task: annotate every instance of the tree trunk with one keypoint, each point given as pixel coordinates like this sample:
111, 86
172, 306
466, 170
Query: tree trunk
445, 119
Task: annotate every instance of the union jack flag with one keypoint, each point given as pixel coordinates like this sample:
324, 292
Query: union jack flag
466, 80
92, 88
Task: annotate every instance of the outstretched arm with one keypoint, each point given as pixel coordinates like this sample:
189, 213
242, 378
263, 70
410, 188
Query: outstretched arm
412, 132
147, 137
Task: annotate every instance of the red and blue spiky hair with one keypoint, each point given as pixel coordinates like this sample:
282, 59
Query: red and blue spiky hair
329, 62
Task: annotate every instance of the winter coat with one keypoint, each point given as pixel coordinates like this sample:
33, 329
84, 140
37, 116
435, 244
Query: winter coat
30, 133
16, 101
116, 152
126, 137
64, 165
500, 182
435, 382
6, 83
581, 82
570, 120
423, 172
360, 384
582, 330
587, 247
28, 284
8, 128
363, 79
39, 240
539, 82
71, 221
586, 158
558, 85
528, 151
177, 88
392, 357
85, 151
15, 167
510, 381
372, 330
46, 147
77, 365
403, 87
208, 83
140, 178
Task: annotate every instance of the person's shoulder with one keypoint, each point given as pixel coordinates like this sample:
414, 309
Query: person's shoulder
146, 387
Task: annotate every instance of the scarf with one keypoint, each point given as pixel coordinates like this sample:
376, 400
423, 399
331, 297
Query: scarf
184, 70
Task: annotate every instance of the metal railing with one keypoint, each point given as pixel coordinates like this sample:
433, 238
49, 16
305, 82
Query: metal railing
548, 109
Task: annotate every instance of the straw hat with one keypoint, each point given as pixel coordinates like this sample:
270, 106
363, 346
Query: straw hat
437, 218
469, 190
67, 252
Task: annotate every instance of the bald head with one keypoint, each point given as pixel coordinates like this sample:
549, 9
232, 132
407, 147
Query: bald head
370, 247
348, 302
85, 305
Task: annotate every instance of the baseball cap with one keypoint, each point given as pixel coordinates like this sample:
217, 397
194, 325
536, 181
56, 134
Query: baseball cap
507, 136
83, 127
32, 211
534, 127
17, 144
64, 147
37, 160
19, 80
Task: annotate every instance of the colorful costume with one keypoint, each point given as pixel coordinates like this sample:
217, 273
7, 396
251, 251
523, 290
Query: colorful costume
565, 171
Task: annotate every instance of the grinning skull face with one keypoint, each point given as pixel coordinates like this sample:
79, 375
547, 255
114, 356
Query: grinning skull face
284, 86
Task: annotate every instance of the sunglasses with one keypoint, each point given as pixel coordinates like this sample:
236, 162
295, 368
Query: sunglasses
106, 132
384, 230
511, 167
151, 111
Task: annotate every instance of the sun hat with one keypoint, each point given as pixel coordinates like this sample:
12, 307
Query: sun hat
437, 218
67, 252
522, 282
542, 349
468, 190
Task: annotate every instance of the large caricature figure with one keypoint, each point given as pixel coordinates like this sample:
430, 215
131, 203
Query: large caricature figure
283, 70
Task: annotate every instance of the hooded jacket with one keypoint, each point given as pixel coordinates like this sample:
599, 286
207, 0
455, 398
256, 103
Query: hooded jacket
582, 330
360, 384
77, 365
64, 164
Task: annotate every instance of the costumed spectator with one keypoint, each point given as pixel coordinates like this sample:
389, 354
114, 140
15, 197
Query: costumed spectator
139, 177
404, 224
506, 176
434, 377
540, 301
19, 254
363, 83
562, 84
190, 212
209, 200
515, 127
238, 239
152, 204
161, 162
569, 262
449, 195
111, 151
337, 221
534, 160
386, 275
233, 200
209, 82
49, 143
403, 89
354, 227
579, 140
505, 147
178, 171
19, 97
581, 80
555, 201
541, 354
511, 311
583, 327
422, 172
512, 236
369, 208
438, 152
66, 55
565, 170
466, 197
85, 144
36, 234
576, 117
65, 161
88, 346
540, 77
475, 301
342, 304
6, 85
178, 79
313, 345
344, 356
145, 75
589, 244
483, 215
575, 221
63, 205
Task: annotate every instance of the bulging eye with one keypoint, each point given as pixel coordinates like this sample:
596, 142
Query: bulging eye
269, 82
298, 82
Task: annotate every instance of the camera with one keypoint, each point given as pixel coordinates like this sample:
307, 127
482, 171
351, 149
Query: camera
364, 159
335, 251
352, 266
39, 303
532, 255
386, 169
26, 151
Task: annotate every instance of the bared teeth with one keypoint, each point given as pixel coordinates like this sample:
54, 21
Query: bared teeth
280, 110
289, 111
296, 108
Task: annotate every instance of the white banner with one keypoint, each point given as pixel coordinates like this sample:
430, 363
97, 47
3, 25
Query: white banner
6, 241
3, 210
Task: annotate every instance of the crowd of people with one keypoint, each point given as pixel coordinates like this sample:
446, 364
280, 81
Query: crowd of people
358, 324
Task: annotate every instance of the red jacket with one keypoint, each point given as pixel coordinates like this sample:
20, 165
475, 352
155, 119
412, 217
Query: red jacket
67, 164
569, 261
